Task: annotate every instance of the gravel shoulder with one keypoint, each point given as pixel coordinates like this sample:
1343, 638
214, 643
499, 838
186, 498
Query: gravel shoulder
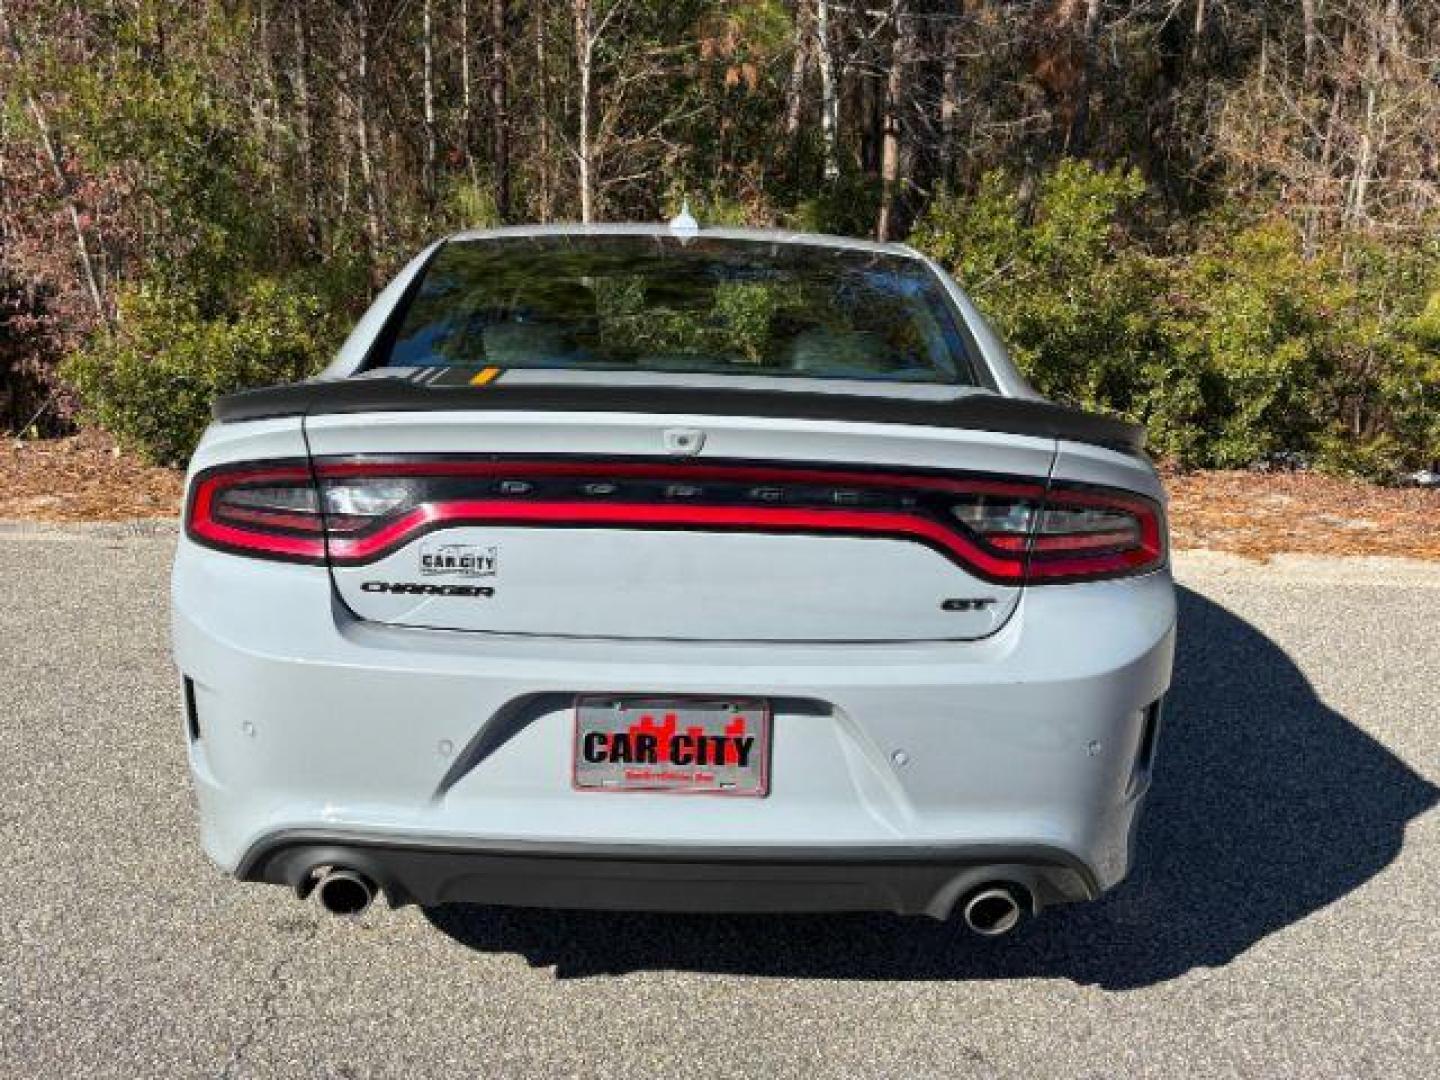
1282, 920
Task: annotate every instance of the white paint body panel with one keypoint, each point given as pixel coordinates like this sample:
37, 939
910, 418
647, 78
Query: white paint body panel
678, 586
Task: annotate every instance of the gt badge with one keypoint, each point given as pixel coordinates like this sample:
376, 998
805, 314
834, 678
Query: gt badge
965, 604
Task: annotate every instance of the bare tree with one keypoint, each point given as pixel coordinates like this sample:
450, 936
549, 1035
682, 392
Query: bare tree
499, 106
950, 97
799, 61
892, 149
542, 82
305, 125
427, 36
589, 31
585, 37
467, 93
1197, 32
829, 100
1311, 32
1089, 57
359, 78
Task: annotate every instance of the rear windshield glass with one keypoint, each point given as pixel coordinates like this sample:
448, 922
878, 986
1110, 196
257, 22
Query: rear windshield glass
643, 303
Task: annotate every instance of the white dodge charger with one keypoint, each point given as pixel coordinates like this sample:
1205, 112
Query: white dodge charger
671, 568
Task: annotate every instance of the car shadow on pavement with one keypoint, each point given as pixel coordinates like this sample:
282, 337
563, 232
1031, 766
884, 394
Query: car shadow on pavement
1267, 805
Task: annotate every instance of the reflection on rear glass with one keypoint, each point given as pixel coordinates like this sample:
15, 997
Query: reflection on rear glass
643, 303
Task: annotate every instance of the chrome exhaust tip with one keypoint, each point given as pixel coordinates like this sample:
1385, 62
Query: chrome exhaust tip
993, 911
345, 893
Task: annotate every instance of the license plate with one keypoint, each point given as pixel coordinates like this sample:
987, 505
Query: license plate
712, 746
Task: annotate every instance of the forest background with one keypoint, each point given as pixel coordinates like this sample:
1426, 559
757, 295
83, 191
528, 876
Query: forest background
1216, 217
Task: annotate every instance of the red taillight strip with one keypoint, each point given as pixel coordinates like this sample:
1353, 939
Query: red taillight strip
1001, 558
280, 519
1091, 567
1062, 543
249, 542
1049, 564
652, 515
1008, 541
203, 526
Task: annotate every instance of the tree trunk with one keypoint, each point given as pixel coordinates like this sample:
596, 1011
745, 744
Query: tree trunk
542, 79
1383, 34
584, 63
1312, 220
1312, 35
829, 102
950, 102
1371, 140
870, 86
892, 149
1089, 55
266, 115
1197, 33
467, 97
1393, 28
55, 158
360, 101
795, 85
305, 128
499, 107
428, 178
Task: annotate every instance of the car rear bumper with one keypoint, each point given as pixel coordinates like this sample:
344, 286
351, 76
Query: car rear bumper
429, 871
898, 771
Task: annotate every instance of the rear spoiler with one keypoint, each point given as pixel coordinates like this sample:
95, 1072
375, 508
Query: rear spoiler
973, 411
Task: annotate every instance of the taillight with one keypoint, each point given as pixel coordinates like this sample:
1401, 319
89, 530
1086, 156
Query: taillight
269, 510
1001, 529
1086, 533
1073, 534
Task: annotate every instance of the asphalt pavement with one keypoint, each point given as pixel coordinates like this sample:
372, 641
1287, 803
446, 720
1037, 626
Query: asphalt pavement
1283, 920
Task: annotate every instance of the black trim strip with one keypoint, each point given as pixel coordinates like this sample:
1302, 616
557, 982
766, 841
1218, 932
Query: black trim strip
906, 879
192, 715
720, 854
976, 411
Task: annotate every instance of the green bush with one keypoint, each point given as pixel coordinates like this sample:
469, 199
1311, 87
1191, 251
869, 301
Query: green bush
1071, 297
150, 381
1386, 399
1242, 346
469, 204
1324, 354
844, 206
1251, 323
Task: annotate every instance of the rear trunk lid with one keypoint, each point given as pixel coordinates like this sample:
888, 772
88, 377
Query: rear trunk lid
679, 525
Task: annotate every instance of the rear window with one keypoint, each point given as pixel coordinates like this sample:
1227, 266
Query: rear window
660, 303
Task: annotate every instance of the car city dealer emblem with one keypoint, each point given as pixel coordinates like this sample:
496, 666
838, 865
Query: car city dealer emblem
459, 560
